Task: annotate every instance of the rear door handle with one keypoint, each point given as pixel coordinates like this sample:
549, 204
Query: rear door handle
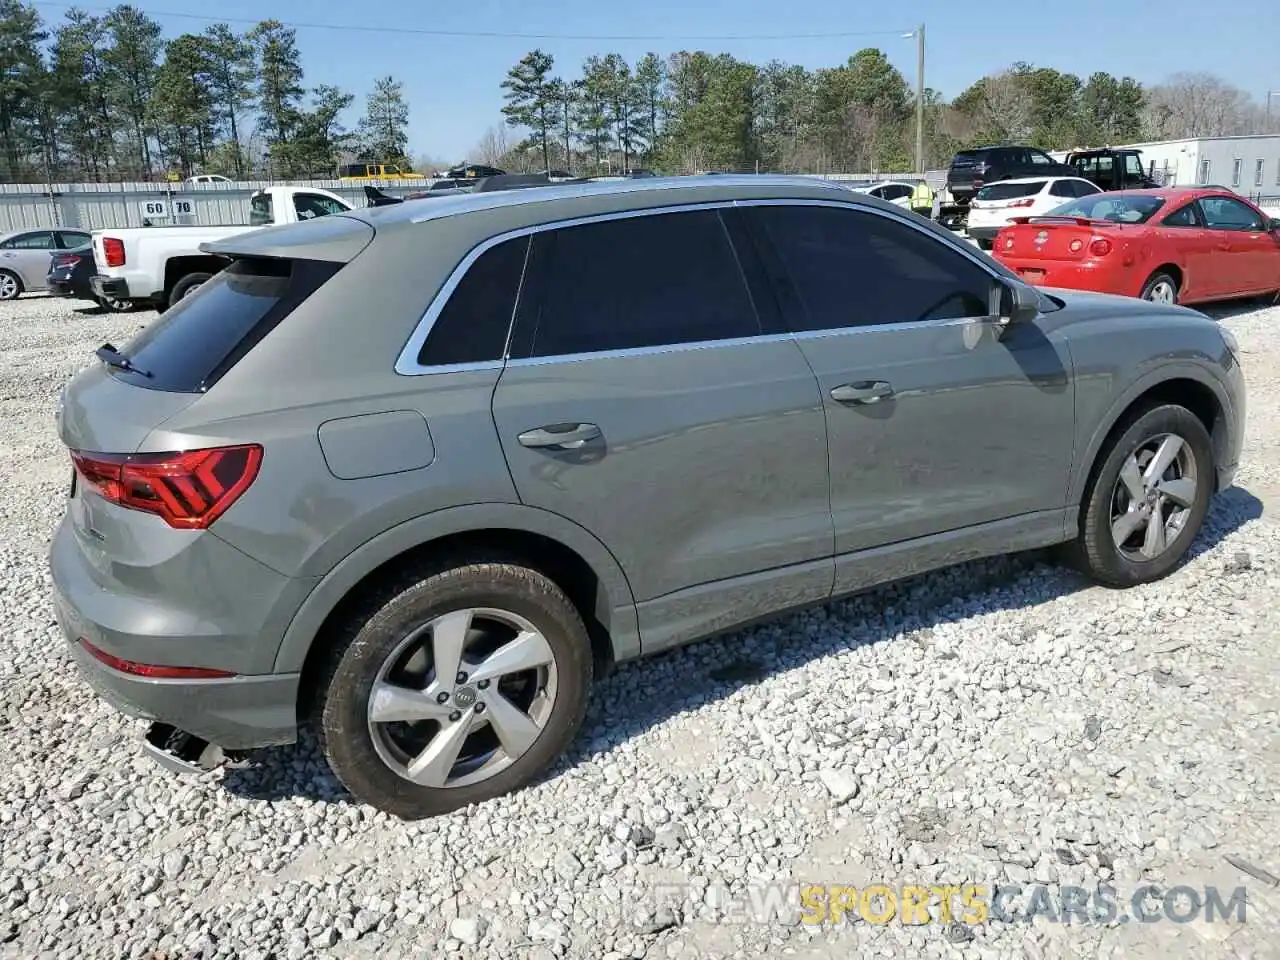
861, 392
565, 435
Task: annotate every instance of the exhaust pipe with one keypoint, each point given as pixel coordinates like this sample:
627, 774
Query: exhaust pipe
179, 751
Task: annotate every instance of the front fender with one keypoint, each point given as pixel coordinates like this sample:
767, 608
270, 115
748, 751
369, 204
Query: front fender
1121, 402
615, 604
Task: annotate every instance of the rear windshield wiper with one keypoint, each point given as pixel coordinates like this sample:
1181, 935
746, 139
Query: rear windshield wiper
114, 358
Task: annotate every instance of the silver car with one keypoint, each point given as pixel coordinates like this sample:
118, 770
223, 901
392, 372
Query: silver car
24, 258
419, 473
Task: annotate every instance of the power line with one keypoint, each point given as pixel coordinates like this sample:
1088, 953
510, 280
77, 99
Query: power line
488, 34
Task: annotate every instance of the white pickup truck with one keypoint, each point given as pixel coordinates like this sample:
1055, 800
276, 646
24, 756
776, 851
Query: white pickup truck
159, 266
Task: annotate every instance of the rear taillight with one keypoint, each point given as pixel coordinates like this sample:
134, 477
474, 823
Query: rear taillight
1100, 247
153, 671
187, 490
65, 260
113, 250
1023, 203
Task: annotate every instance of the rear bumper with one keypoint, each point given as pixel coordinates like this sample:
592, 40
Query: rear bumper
70, 288
110, 288
1070, 276
236, 713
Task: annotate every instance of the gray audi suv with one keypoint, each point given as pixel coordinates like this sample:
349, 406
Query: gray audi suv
416, 474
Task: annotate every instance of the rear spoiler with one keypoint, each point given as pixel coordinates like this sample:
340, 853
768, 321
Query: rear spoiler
377, 198
1079, 221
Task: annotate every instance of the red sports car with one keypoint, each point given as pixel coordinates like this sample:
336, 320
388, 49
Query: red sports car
1174, 245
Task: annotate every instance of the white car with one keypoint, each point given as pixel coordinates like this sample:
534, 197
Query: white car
996, 204
208, 178
895, 191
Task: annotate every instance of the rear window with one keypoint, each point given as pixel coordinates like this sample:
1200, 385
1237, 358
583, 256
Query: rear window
1116, 207
971, 158
1010, 191
261, 211
202, 337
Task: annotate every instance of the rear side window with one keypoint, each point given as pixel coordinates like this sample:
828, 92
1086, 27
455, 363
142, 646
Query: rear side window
260, 210
195, 342
853, 269
642, 281
475, 321
1010, 191
1183, 217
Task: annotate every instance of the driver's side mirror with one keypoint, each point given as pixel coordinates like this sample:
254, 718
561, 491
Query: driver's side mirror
1018, 303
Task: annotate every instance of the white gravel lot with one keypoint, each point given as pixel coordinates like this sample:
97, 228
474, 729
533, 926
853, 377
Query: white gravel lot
997, 722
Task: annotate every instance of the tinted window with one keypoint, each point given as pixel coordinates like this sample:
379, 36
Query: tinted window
477, 316
854, 269
636, 282
1132, 165
1223, 213
1116, 207
971, 158
1183, 217
1063, 188
199, 339
1010, 191
1041, 159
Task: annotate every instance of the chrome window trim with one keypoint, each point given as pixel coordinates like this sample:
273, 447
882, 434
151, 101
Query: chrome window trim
407, 362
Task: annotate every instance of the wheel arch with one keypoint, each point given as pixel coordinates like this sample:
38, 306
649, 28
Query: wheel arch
1173, 270
567, 553
1187, 385
176, 268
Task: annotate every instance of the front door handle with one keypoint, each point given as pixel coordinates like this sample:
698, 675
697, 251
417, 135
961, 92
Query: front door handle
567, 436
863, 391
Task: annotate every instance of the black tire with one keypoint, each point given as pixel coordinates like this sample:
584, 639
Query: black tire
10, 291
115, 306
373, 633
1095, 550
187, 284
1159, 280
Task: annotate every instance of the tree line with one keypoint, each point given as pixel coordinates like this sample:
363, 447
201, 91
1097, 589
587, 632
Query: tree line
697, 111
108, 98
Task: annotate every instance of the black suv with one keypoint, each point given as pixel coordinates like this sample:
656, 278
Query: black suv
970, 169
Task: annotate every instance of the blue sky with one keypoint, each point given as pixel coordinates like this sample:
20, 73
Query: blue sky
452, 82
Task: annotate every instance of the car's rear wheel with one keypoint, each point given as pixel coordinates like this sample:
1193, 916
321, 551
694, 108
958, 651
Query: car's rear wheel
1148, 499
454, 686
1160, 288
10, 285
187, 286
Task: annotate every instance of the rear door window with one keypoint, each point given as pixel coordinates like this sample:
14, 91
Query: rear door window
196, 341
261, 211
643, 281
474, 323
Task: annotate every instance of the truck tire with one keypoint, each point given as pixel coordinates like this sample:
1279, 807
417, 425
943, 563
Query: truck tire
186, 285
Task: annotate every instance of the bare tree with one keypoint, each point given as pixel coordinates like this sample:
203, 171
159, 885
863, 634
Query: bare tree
493, 146
1006, 109
1199, 105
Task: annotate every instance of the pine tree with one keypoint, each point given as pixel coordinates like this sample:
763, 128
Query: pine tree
279, 79
21, 84
529, 97
231, 74
385, 125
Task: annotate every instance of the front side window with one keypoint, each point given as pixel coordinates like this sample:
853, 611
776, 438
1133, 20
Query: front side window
1132, 165
1039, 159
1224, 213
852, 269
642, 281
473, 326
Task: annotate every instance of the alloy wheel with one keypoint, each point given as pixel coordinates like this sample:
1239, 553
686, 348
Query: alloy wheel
1153, 497
1162, 291
8, 286
462, 697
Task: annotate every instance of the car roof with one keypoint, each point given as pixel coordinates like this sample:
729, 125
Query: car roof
1043, 178
1181, 193
341, 236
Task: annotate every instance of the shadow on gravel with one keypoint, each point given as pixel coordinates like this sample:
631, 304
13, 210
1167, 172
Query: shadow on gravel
1230, 309
642, 694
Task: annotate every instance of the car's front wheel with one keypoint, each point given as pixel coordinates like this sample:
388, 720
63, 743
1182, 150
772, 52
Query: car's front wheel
454, 686
1148, 499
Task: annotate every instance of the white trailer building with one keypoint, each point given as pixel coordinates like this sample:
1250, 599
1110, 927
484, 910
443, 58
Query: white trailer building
1248, 165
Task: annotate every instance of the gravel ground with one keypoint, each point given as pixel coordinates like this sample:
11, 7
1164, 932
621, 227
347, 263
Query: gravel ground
997, 722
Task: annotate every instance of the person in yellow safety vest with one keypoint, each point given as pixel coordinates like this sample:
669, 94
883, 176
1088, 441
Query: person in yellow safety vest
922, 199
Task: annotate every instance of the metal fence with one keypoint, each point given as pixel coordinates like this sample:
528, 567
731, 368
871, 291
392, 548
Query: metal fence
101, 206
